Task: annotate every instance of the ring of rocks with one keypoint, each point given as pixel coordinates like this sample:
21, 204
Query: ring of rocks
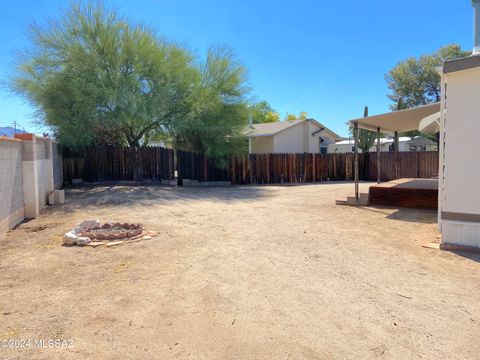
113, 231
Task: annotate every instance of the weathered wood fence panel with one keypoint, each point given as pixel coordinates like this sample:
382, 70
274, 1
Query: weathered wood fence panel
195, 166
292, 168
109, 163
422, 164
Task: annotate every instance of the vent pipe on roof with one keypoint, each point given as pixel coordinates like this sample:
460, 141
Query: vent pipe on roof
476, 27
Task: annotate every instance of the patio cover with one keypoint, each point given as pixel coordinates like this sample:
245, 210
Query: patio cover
431, 124
403, 120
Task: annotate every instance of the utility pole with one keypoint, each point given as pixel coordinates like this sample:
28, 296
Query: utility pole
14, 127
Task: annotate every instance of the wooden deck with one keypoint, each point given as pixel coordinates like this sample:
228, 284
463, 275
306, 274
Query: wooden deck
410, 193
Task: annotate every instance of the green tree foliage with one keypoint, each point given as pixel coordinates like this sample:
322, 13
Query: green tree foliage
415, 81
262, 112
218, 111
94, 75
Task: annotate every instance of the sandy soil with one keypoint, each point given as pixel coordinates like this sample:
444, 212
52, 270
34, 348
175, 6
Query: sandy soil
239, 273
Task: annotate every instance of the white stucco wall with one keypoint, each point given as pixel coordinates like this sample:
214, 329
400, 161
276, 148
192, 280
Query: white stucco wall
290, 140
262, 145
460, 194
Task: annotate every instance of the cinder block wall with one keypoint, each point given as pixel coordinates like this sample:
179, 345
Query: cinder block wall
11, 184
30, 168
44, 165
57, 166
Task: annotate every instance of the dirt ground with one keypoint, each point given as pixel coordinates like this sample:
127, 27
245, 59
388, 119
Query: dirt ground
238, 273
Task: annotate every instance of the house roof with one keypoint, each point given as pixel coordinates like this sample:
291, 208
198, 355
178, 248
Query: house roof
421, 140
271, 129
401, 121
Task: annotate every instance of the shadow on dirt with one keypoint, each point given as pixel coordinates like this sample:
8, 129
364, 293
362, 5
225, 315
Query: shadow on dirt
423, 216
106, 196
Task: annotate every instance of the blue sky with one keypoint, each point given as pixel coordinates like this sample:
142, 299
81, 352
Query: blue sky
327, 58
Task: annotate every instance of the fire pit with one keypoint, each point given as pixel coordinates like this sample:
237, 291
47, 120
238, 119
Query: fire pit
113, 231
92, 231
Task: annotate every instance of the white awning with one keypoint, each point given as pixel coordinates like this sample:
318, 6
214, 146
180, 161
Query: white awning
401, 121
430, 124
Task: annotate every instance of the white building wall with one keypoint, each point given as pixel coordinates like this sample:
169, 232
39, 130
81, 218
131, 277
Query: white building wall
291, 140
262, 145
460, 196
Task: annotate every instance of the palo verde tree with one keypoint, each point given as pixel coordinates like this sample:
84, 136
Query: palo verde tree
93, 75
217, 110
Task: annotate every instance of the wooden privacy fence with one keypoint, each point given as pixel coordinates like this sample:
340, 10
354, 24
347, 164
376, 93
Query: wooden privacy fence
293, 168
421, 164
109, 163
195, 166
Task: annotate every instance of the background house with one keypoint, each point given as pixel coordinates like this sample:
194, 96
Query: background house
418, 143
296, 136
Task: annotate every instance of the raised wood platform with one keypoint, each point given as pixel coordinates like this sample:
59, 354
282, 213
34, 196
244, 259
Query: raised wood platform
410, 193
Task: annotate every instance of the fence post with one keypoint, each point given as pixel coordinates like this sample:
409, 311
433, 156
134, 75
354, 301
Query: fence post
205, 170
250, 167
378, 155
418, 164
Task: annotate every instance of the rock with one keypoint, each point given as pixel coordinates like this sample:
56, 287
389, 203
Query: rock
147, 238
71, 238
89, 224
82, 241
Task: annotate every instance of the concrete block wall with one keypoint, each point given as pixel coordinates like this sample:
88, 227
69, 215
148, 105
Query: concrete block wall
57, 162
27, 177
11, 184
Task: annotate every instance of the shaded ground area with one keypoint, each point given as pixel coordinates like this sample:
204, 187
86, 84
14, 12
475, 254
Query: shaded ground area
239, 273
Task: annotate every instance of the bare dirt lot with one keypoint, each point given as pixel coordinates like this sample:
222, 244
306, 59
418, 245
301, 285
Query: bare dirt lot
239, 273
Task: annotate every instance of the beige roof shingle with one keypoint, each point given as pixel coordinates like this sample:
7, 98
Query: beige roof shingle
270, 129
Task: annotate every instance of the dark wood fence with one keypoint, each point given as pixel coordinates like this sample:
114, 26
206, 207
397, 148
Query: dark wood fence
194, 166
108, 163
308, 168
293, 168
422, 164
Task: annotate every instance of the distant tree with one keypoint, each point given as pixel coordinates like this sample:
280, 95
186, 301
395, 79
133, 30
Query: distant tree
93, 74
262, 112
301, 116
415, 81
